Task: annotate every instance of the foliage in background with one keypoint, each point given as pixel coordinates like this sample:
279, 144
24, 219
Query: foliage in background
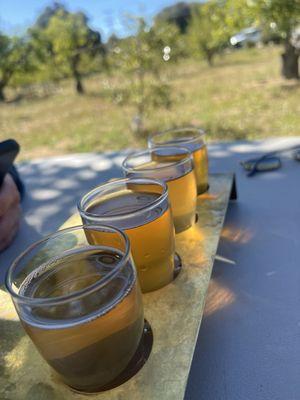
242, 97
285, 16
179, 14
61, 45
142, 58
208, 34
15, 55
65, 44
238, 14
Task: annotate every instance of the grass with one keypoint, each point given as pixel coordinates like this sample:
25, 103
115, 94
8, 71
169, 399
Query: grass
241, 97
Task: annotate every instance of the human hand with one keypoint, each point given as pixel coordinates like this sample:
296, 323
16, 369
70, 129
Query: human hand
10, 211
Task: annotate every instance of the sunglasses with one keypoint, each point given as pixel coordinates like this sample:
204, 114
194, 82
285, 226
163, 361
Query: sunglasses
269, 161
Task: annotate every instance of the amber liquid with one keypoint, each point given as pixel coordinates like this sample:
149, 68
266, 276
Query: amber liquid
151, 235
201, 168
87, 347
182, 194
200, 157
181, 186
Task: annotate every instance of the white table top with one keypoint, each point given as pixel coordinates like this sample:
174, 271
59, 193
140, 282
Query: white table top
249, 342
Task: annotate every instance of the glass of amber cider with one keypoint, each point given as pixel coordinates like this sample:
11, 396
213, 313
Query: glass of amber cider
80, 303
194, 140
140, 207
174, 166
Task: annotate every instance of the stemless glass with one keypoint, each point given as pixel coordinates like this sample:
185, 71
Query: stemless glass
140, 207
80, 303
173, 165
194, 140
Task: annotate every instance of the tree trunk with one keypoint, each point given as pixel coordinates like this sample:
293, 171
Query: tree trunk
2, 96
210, 59
76, 75
138, 120
209, 55
290, 61
79, 86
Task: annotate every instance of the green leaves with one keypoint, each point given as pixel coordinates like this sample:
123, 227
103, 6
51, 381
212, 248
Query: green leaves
143, 58
15, 55
284, 13
61, 44
208, 32
65, 43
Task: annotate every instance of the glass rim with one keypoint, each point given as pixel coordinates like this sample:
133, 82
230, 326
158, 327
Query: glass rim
77, 294
97, 190
171, 164
200, 133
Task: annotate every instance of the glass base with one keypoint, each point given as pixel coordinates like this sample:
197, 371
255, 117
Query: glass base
138, 360
199, 192
177, 265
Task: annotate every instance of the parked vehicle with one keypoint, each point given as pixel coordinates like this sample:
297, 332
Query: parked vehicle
246, 37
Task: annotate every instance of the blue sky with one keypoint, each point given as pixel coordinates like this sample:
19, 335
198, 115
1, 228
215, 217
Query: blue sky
105, 15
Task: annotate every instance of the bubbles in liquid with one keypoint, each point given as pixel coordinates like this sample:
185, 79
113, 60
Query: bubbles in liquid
143, 268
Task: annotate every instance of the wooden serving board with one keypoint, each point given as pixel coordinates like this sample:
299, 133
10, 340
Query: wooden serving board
174, 312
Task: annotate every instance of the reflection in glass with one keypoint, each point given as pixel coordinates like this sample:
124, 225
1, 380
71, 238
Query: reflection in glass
174, 166
192, 139
141, 208
80, 303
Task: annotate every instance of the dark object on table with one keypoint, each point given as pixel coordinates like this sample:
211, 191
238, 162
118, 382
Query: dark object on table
297, 155
233, 193
9, 150
16, 177
266, 164
269, 161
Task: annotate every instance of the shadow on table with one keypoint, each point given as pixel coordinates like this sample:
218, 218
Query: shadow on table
20, 362
55, 185
220, 301
53, 188
251, 313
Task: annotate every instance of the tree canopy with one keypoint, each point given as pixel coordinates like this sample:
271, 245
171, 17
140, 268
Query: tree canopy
142, 57
285, 16
208, 33
66, 43
179, 14
62, 44
14, 57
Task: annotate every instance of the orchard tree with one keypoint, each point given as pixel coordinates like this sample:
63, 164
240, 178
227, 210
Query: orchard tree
14, 57
112, 42
72, 40
208, 33
143, 57
65, 43
285, 16
238, 15
179, 14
